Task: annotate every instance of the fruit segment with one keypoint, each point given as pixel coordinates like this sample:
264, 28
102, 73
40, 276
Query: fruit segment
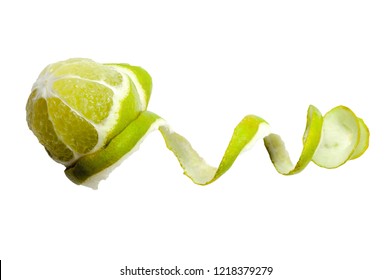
83, 95
74, 131
38, 121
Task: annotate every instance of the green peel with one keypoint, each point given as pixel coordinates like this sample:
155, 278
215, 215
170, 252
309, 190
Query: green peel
90, 169
329, 141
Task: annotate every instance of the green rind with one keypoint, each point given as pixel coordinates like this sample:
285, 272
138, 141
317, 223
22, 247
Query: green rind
129, 110
311, 138
195, 167
118, 147
144, 79
142, 76
363, 143
243, 134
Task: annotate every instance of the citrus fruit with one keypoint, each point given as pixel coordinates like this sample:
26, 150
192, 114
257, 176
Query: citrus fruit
77, 106
91, 116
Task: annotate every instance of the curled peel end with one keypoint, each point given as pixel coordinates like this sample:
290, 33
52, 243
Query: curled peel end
344, 137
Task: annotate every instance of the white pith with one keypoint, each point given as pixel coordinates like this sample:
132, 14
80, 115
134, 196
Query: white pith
44, 89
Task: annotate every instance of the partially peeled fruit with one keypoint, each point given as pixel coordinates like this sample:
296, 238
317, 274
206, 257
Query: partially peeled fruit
91, 116
77, 106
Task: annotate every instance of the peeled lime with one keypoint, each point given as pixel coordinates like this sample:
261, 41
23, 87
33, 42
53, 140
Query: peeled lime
77, 106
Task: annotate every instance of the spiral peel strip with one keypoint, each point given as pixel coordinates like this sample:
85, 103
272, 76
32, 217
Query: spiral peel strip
329, 141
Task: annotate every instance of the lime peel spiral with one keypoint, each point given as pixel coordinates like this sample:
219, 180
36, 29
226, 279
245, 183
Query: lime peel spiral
91, 116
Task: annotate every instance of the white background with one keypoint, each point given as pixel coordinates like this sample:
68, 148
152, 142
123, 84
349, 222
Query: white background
212, 62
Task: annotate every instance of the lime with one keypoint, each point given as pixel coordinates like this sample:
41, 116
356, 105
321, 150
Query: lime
77, 106
91, 116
